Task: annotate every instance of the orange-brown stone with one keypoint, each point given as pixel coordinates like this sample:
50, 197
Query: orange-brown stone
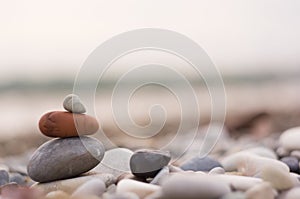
66, 124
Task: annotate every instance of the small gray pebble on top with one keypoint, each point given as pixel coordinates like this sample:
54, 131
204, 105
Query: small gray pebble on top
73, 104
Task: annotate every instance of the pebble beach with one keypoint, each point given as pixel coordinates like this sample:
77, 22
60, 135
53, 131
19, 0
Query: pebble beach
71, 163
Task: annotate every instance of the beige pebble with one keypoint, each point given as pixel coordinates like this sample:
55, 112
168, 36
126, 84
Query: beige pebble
249, 164
192, 186
70, 185
92, 187
292, 194
278, 178
139, 188
57, 194
289, 139
241, 183
261, 191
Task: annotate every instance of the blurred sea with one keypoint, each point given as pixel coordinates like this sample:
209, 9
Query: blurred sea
23, 103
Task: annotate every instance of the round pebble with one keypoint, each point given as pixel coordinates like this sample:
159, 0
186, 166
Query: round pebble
65, 158
200, 164
73, 104
4, 177
217, 170
292, 163
290, 139
93, 187
65, 124
147, 163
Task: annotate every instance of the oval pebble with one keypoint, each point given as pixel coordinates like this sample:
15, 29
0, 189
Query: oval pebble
249, 164
65, 158
65, 124
57, 194
273, 174
193, 186
147, 163
73, 104
200, 164
93, 187
289, 139
139, 188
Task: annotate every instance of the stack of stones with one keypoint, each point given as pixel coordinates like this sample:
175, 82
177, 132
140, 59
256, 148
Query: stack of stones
72, 152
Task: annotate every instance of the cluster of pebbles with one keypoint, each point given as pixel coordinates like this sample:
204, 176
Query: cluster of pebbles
67, 167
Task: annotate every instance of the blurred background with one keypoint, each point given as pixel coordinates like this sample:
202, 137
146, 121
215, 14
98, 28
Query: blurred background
254, 44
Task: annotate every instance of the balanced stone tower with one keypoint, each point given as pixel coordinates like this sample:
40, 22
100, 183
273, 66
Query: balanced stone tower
71, 152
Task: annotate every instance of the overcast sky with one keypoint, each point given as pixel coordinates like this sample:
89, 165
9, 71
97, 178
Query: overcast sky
46, 39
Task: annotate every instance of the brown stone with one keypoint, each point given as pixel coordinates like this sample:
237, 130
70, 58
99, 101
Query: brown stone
66, 124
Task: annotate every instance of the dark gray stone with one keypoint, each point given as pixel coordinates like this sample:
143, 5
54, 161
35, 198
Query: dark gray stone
200, 164
4, 177
17, 178
65, 158
147, 163
292, 163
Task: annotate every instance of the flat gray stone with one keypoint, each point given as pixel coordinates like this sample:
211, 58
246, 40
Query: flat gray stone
65, 158
200, 164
